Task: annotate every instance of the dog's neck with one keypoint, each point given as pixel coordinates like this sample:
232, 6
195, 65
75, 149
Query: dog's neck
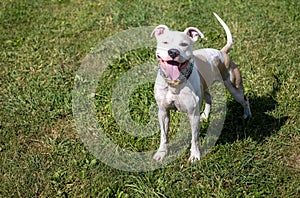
184, 75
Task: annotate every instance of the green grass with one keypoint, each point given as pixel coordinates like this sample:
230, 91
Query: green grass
43, 44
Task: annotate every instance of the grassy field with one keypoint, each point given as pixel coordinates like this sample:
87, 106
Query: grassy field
43, 44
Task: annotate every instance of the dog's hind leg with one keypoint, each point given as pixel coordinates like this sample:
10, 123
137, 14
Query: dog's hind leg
238, 94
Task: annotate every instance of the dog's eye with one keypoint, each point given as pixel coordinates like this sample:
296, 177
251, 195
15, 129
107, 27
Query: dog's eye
165, 42
183, 44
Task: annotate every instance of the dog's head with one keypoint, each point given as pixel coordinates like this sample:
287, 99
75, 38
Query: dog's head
175, 49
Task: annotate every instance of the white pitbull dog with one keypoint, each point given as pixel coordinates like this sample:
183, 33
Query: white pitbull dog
184, 77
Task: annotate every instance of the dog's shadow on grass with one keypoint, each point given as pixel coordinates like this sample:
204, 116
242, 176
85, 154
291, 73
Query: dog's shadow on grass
261, 125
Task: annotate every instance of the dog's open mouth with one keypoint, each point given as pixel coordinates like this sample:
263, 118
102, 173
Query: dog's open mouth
173, 63
181, 66
172, 68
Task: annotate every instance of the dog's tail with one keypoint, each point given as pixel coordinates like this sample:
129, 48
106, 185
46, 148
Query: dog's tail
228, 46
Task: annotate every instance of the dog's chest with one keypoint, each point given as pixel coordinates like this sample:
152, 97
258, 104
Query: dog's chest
184, 100
172, 100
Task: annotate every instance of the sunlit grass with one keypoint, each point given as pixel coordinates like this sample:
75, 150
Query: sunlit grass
43, 43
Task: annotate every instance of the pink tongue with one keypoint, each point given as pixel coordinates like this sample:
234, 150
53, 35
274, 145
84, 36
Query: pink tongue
172, 72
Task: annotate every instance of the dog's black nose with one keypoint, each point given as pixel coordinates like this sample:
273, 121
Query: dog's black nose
173, 53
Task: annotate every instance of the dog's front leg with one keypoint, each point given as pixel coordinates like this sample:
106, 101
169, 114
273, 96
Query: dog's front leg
164, 119
195, 126
208, 101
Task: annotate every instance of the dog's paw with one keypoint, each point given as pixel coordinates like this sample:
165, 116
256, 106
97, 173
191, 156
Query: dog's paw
247, 113
160, 155
203, 116
195, 156
245, 116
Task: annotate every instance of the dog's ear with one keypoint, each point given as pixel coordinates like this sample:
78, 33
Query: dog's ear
159, 30
194, 33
